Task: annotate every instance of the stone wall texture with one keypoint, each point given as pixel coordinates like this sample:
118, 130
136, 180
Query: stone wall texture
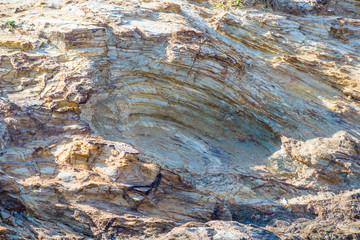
180, 119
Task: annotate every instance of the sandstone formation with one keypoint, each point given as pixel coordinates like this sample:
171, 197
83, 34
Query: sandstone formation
180, 119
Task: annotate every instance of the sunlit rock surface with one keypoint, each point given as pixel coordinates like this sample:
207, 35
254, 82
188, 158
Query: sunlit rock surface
179, 119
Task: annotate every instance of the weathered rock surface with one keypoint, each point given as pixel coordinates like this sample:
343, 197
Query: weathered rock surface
218, 230
128, 119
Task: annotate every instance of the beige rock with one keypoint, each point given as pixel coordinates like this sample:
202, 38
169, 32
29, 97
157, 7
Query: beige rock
320, 163
167, 7
218, 230
178, 120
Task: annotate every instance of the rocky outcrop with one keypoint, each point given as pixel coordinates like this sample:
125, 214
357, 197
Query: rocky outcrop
179, 119
218, 230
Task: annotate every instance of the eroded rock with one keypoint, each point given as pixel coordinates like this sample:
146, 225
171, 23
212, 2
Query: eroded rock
176, 120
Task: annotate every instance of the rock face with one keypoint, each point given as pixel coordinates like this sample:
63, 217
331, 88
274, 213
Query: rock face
134, 119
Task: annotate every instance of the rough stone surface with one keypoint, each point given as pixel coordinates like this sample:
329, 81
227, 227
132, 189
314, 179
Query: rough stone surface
151, 119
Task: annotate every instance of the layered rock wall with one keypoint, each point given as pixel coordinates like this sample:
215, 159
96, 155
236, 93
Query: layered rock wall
179, 120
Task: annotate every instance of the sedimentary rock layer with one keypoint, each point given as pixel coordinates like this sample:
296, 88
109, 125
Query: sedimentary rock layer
179, 119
